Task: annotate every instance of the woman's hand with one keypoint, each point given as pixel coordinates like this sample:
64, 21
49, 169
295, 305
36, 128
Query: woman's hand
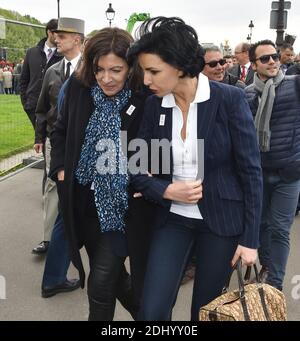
140, 195
247, 255
187, 192
61, 175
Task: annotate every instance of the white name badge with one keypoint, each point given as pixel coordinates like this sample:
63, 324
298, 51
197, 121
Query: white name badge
162, 120
130, 110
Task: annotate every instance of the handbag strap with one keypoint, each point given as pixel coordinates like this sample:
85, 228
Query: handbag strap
238, 268
248, 274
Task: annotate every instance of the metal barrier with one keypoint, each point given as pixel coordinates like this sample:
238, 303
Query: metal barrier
16, 131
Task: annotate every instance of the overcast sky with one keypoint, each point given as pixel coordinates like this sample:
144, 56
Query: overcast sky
214, 20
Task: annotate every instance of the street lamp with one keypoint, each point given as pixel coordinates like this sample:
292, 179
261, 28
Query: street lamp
110, 14
251, 26
58, 11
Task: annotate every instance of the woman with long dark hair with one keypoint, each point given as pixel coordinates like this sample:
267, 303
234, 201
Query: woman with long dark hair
89, 164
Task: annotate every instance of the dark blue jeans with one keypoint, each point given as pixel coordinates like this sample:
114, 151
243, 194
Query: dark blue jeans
279, 205
169, 253
58, 259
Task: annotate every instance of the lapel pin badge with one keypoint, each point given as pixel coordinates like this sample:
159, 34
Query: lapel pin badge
130, 110
162, 120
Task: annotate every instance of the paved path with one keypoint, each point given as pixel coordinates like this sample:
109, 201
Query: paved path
21, 230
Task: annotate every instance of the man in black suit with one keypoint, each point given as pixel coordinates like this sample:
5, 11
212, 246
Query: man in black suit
243, 69
37, 60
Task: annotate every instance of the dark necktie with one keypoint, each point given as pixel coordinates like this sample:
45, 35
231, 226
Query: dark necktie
68, 70
49, 55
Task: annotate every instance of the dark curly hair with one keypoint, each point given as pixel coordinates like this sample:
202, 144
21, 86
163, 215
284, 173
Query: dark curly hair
175, 42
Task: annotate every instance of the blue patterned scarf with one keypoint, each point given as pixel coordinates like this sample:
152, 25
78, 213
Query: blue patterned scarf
101, 159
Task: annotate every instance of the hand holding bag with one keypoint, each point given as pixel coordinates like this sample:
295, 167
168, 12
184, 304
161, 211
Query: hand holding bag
251, 302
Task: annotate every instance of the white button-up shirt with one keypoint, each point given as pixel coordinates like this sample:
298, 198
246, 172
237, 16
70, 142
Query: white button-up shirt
47, 50
185, 153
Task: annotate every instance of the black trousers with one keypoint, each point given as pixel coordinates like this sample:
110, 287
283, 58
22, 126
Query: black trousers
108, 278
31, 116
139, 232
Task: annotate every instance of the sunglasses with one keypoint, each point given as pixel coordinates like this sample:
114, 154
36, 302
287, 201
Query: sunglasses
265, 59
214, 63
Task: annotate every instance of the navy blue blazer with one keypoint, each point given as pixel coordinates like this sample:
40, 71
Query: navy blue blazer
232, 185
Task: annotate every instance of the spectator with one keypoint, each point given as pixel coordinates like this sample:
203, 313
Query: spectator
215, 68
294, 69
17, 76
7, 81
37, 60
243, 69
229, 62
69, 38
275, 103
1, 81
234, 60
286, 57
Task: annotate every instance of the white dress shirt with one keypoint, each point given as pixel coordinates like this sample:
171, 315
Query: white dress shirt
185, 153
47, 50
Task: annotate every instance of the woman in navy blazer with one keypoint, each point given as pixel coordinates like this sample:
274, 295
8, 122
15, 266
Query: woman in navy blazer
215, 212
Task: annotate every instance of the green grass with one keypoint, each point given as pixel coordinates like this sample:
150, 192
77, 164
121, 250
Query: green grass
16, 132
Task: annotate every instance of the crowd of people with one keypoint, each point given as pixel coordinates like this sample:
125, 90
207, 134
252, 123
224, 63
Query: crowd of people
10, 74
224, 186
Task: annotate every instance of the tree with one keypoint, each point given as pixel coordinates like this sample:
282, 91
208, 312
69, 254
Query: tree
135, 18
19, 38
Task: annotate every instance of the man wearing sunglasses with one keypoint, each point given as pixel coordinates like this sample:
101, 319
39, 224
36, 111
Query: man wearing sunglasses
215, 68
275, 103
